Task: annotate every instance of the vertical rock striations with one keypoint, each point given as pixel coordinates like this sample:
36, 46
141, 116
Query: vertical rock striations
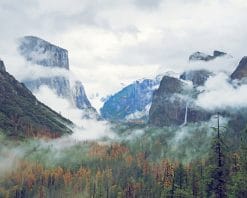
132, 102
173, 104
49, 56
41, 52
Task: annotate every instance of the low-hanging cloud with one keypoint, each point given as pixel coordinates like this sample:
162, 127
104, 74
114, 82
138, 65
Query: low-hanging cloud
108, 47
85, 129
9, 159
103, 41
220, 93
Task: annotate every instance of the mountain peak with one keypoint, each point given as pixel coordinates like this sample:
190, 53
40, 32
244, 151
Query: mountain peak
173, 104
200, 56
79, 95
46, 54
133, 101
41, 52
2, 66
217, 53
241, 70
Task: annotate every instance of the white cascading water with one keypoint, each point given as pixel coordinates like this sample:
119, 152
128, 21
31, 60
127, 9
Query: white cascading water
186, 114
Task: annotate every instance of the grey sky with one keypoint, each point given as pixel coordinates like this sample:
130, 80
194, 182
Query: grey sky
117, 41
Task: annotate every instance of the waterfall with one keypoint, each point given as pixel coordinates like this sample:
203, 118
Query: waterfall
186, 114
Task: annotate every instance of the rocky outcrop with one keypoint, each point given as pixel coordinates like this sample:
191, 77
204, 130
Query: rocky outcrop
2, 66
59, 84
198, 77
166, 107
173, 104
45, 54
200, 56
79, 96
41, 52
132, 102
241, 70
218, 53
21, 114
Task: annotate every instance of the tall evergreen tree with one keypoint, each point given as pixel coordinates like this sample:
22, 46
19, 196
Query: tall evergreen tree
218, 172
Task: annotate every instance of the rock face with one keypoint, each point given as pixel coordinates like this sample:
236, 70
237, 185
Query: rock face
2, 66
41, 52
200, 56
241, 70
79, 96
218, 53
21, 114
198, 77
132, 102
173, 105
45, 54
58, 83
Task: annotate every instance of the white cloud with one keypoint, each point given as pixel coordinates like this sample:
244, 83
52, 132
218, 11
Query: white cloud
85, 129
60, 105
112, 42
9, 159
221, 94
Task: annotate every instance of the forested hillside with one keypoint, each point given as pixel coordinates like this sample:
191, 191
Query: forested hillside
154, 164
22, 115
123, 99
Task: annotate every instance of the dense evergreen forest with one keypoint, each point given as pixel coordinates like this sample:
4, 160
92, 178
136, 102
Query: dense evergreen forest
152, 164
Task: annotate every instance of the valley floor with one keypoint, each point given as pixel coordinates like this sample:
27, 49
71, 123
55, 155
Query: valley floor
140, 162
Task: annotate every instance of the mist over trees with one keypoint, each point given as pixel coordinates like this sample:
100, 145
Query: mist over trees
145, 166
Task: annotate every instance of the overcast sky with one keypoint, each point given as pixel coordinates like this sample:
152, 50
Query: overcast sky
111, 42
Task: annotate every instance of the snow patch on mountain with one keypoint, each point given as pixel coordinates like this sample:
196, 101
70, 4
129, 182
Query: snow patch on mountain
133, 101
139, 114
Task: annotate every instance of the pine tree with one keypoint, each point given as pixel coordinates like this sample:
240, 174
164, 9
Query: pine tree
218, 167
